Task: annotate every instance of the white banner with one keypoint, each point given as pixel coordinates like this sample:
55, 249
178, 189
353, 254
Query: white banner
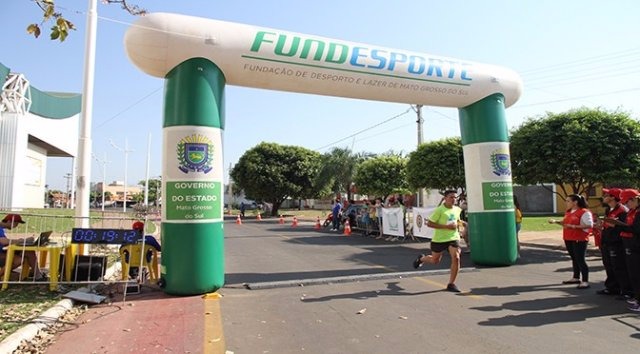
393, 221
420, 228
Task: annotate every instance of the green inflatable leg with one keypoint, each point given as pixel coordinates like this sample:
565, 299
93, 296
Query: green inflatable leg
485, 142
193, 176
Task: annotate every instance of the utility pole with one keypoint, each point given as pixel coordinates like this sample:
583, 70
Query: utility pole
418, 109
126, 155
84, 140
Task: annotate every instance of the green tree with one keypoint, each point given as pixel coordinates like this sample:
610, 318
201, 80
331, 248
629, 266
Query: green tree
138, 198
155, 186
272, 173
61, 26
337, 172
580, 148
382, 175
437, 165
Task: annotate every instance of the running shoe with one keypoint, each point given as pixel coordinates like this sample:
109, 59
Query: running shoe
417, 263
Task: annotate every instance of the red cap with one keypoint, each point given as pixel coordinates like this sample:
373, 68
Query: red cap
628, 194
614, 192
138, 225
13, 217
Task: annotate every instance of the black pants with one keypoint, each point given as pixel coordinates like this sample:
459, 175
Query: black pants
578, 252
632, 255
613, 259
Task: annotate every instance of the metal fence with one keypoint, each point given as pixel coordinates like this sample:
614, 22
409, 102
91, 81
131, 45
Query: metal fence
58, 261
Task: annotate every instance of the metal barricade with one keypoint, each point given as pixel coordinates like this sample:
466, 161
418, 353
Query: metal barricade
58, 261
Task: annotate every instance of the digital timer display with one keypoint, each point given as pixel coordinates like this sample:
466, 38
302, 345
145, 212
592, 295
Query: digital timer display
105, 236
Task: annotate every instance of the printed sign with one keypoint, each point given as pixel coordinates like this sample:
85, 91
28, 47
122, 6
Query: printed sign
497, 195
392, 221
193, 185
420, 228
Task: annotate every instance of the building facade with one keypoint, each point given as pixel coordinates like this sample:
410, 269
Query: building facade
34, 125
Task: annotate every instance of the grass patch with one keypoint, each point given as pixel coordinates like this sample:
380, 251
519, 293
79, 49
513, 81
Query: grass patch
20, 304
540, 223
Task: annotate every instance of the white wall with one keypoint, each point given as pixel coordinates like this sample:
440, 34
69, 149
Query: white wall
34, 177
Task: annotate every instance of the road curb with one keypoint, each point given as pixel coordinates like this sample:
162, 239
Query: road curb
348, 279
28, 332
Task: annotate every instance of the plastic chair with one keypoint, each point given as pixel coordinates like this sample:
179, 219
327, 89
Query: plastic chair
133, 255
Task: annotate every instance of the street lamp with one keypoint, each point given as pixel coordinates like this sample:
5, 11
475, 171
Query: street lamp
126, 154
68, 177
146, 184
104, 163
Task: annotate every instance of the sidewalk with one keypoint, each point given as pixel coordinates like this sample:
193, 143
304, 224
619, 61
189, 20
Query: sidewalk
153, 321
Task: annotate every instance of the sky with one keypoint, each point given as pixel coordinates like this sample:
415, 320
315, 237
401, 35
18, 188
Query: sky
570, 54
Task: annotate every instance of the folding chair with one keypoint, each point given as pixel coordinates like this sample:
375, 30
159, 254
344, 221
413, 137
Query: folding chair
136, 256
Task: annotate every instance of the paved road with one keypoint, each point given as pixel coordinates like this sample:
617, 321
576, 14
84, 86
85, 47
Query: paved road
517, 309
360, 303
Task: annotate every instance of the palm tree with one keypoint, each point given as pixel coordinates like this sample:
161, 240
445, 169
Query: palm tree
338, 170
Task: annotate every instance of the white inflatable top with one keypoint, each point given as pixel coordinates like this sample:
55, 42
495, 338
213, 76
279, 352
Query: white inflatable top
280, 60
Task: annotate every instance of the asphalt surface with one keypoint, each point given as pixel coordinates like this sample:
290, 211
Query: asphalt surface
298, 290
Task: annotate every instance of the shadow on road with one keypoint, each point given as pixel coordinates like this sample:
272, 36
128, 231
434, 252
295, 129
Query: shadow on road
392, 290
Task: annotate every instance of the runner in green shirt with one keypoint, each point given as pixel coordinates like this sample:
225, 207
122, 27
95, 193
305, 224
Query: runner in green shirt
445, 219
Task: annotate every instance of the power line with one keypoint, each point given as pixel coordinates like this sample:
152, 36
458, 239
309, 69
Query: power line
584, 61
365, 129
577, 98
129, 107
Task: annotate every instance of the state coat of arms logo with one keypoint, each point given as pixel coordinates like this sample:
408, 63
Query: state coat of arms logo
500, 163
195, 154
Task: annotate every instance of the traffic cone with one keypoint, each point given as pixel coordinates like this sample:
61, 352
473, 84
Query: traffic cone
238, 220
347, 228
317, 227
295, 222
259, 217
281, 221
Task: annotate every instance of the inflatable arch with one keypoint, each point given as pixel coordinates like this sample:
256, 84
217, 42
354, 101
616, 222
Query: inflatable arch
198, 56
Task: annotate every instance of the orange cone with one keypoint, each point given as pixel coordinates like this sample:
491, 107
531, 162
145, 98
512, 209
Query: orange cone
295, 222
259, 217
317, 227
281, 221
347, 228
238, 220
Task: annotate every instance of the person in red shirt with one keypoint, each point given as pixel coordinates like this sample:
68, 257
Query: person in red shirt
631, 240
611, 247
577, 225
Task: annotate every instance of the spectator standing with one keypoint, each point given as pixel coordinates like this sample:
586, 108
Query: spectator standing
611, 247
577, 224
464, 231
445, 219
518, 213
335, 214
379, 214
366, 218
242, 209
631, 241
11, 221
